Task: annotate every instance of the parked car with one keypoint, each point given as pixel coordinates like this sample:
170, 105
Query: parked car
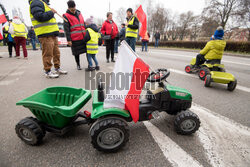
62, 41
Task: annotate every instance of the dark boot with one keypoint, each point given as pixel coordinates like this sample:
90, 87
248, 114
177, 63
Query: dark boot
79, 67
89, 69
97, 68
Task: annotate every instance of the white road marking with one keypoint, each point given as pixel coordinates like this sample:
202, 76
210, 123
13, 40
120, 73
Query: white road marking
209, 145
174, 153
17, 73
189, 57
239, 87
232, 62
243, 88
8, 82
223, 138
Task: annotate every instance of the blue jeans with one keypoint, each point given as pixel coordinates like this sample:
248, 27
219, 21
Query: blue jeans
144, 44
90, 57
156, 43
116, 45
131, 42
33, 42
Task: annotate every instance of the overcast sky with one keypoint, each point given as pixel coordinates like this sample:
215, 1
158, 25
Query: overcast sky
99, 8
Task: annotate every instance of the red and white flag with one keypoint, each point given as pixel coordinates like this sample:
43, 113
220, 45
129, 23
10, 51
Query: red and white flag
128, 78
141, 15
1, 31
2, 20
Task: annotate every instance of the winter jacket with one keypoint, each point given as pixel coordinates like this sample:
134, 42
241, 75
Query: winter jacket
67, 24
37, 10
214, 49
16, 21
78, 47
135, 25
31, 34
157, 35
122, 33
87, 36
107, 28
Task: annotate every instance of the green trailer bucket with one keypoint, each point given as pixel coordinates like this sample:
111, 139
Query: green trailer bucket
56, 106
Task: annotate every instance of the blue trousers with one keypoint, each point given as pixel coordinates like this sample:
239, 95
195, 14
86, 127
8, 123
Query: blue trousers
131, 42
144, 44
33, 42
116, 45
90, 57
156, 43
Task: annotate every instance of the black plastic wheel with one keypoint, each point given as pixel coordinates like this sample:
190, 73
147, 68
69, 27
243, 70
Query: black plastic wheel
203, 72
188, 69
186, 123
208, 81
29, 131
109, 134
232, 85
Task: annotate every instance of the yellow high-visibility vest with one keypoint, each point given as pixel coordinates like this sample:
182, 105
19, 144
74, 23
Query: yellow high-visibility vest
6, 28
19, 30
131, 32
44, 27
92, 44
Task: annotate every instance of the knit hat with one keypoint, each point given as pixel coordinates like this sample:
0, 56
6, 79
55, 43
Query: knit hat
130, 10
219, 33
90, 20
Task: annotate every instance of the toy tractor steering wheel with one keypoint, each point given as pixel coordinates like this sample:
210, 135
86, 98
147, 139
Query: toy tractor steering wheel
158, 75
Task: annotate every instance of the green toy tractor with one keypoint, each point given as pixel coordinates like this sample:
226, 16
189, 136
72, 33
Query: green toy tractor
213, 71
56, 111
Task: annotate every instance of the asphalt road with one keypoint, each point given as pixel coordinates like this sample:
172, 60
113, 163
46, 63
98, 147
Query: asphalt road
222, 140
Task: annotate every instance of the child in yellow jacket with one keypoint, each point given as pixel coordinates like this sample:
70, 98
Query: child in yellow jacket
214, 49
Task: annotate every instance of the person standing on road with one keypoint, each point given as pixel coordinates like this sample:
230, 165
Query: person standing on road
47, 30
19, 30
132, 28
145, 41
122, 32
75, 31
109, 30
32, 37
157, 39
9, 37
91, 38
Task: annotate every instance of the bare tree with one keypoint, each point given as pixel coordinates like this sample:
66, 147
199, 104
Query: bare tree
242, 18
223, 9
185, 21
120, 15
158, 19
208, 27
195, 28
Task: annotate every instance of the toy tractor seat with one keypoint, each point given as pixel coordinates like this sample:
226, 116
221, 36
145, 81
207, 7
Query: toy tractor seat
100, 89
214, 61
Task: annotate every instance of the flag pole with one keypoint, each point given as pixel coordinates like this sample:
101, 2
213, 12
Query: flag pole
57, 13
136, 54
